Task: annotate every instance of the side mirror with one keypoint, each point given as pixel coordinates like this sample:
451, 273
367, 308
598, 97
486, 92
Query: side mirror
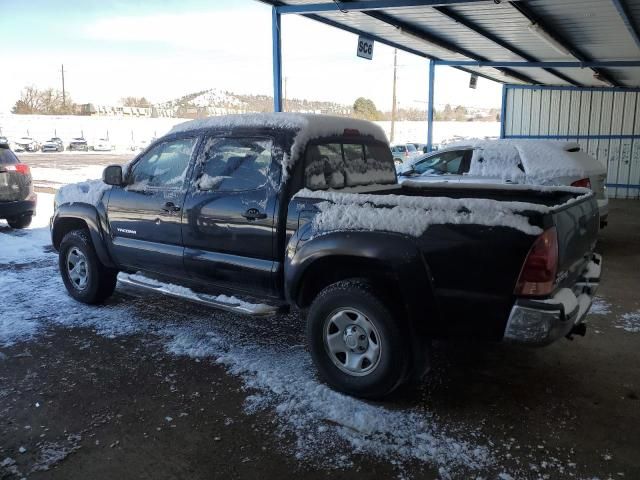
112, 175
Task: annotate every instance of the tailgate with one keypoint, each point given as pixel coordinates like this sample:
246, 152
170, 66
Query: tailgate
577, 225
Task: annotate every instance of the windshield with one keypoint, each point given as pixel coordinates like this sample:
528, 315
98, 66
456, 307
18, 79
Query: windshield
348, 164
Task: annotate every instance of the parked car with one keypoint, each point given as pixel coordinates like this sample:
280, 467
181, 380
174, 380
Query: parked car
26, 144
17, 198
103, 145
420, 147
507, 161
140, 145
265, 207
404, 153
54, 144
4, 141
78, 144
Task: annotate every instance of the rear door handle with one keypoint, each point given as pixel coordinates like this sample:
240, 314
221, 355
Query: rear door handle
170, 207
254, 214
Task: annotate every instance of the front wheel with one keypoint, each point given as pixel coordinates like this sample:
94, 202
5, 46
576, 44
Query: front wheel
355, 342
85, 277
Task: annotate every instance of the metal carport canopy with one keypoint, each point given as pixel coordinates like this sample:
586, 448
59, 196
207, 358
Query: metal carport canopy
589, 43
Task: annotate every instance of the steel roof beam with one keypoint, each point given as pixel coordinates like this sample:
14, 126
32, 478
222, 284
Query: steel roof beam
441, 43
631, 25
534, 18
384, 41
456, 17
559, 64
360, 6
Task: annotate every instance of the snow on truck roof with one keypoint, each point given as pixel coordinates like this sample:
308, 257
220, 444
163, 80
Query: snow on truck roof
307, 126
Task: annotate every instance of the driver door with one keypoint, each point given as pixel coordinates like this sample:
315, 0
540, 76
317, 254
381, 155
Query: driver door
145, 215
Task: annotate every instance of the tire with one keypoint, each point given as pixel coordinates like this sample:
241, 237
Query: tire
98, 282
20, 222
350, 313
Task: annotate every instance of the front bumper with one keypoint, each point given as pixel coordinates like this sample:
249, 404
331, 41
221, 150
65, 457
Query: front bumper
18, 208
541, 322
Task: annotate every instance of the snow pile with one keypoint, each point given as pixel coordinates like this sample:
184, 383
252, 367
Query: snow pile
207, 182
89, 192
21, 246
307, 126
13, 330
600, 307
529, 161
413, 215
629, 322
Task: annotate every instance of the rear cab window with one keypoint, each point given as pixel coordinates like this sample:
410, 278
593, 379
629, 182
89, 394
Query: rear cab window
347, 163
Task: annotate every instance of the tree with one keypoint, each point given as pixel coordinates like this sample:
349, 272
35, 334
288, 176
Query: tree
46, 102
365, 108
135, 102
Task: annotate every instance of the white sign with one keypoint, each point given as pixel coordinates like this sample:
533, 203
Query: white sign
365, 47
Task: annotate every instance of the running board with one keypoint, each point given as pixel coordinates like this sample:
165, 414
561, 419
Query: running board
242, 307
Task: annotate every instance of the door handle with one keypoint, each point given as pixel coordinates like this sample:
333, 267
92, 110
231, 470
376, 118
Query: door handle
254, 214
170, 207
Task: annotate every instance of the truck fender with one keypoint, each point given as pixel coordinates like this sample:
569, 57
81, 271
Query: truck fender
353, 254
71, 216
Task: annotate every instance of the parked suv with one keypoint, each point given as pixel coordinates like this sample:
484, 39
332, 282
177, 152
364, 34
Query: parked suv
17, 198
404, 153
78, 144
264, 207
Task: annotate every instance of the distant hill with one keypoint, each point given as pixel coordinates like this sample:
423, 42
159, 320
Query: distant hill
220, 102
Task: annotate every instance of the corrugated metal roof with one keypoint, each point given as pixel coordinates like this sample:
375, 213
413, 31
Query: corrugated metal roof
592, 30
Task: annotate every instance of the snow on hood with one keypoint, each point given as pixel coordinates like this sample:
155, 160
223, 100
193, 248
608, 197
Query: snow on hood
307, 126
411, 215
90, 192
543, 161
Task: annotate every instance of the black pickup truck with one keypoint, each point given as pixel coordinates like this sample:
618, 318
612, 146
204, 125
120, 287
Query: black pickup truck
304, 211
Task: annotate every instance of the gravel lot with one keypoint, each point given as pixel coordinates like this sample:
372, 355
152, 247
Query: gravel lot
151, 387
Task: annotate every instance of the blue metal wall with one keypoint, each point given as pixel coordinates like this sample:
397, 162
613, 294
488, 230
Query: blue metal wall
604, 121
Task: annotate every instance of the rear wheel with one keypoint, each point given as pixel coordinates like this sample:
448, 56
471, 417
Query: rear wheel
355, 341
85, 277
20, 222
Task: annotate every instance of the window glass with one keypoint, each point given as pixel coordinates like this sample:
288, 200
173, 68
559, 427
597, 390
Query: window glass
400, 148
411, 147
336, 165
234, 164
444, 163
164, 166
7, 157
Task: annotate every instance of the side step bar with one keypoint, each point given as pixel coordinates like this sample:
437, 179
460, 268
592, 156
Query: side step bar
232, 305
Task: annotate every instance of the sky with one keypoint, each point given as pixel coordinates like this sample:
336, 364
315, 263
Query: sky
163, 50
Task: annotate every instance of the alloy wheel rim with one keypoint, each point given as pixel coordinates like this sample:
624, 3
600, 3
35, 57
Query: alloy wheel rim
352, 342
77, 268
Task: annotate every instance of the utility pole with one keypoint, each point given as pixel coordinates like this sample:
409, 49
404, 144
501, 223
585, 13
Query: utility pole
64, 95
393, 106
284, 99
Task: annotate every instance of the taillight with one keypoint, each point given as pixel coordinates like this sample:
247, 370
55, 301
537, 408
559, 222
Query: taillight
583, 182
538, 273
19, 168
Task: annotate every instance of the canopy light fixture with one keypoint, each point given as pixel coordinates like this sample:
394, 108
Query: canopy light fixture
542, 34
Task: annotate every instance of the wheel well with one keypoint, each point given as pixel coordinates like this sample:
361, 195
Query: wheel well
326, 271
64, 226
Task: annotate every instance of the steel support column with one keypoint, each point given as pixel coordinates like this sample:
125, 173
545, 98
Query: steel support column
277, 60
430, 109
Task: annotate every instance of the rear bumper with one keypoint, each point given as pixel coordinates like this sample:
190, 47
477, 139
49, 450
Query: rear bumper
541, 322
18, 208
